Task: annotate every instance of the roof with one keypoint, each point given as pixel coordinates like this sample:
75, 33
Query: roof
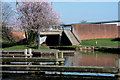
102, 22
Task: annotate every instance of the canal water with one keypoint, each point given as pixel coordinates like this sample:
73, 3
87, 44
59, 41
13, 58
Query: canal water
91, 59
78, 59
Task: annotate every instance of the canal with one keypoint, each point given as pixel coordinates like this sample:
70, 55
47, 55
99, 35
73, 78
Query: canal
78, 59
91, 59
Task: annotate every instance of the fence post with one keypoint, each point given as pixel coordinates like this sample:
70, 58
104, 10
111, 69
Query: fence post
61, 56
117, 66
56, 57
61, 62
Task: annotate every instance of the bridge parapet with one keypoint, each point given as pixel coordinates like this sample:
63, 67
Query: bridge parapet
53, 32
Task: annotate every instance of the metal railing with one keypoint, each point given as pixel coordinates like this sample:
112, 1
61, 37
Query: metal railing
59, 28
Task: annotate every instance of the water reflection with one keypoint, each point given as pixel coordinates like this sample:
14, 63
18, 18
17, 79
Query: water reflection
91, 59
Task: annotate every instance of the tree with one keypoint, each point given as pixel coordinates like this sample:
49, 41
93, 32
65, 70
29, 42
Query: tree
34, 17
7, 14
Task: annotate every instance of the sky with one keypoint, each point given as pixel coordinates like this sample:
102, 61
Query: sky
75, 12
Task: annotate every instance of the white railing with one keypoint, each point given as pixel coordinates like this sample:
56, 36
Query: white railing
56, 28
59, 28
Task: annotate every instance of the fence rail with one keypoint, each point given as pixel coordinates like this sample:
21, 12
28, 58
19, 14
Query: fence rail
58, 61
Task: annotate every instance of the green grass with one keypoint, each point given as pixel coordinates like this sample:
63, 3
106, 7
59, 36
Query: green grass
6, 45
21, 47
102, 42
92, 42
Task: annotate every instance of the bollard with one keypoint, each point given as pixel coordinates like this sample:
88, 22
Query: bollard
30, 52
25, 52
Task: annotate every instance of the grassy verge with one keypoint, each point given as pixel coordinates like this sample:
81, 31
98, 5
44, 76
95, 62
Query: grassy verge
6, 45
20, 47
102, 42
105, 45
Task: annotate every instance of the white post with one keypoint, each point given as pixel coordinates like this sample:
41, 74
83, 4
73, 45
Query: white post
96, 42
30, 52
25, 52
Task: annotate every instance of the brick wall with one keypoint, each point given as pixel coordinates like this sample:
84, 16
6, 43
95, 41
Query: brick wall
95, 31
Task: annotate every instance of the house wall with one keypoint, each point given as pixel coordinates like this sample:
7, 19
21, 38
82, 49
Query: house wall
20, 35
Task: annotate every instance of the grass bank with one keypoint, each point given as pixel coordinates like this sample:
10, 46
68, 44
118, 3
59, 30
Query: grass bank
104, 45
6, 45
111, 42
111, 45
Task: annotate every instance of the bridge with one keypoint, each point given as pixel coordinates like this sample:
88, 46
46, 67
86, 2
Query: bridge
60, 36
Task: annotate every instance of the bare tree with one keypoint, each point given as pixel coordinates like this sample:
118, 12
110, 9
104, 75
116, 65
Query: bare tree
7, 13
